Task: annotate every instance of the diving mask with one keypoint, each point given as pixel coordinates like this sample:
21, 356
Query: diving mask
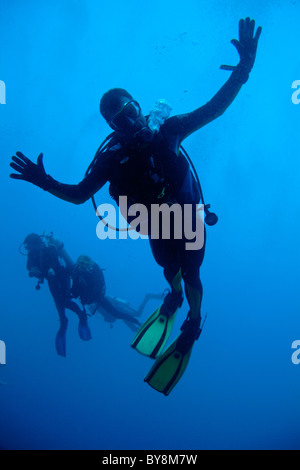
127, 115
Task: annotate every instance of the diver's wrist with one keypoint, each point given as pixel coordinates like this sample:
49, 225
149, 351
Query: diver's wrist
47, 183
242, 71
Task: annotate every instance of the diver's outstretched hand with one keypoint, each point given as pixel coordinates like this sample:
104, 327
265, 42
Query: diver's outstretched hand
247, 43
28, 171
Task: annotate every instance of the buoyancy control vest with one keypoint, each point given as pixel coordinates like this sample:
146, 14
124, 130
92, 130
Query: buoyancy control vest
148, 175
159, 174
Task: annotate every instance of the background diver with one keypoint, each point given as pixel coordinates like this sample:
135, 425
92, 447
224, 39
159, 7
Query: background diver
48, 259
144, 162
88, 284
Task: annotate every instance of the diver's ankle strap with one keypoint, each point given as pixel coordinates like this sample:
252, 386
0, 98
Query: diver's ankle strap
193, 325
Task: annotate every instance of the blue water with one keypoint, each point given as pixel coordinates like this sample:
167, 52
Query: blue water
241, 388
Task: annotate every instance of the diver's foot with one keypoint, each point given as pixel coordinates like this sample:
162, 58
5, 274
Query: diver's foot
190, 333
172, 302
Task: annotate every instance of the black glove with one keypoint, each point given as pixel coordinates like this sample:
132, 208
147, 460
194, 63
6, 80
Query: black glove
246, 47
29, 171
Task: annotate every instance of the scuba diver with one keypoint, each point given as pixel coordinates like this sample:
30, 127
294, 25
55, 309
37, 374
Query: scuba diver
48, 259
88, 284
143, 160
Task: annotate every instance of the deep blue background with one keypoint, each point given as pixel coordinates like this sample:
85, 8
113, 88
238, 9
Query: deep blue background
241, 389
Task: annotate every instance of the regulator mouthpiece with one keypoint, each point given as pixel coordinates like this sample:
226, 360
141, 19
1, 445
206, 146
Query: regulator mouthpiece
145, 134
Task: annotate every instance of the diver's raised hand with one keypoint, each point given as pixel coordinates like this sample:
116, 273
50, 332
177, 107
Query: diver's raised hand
246, 46
247, 43
28, 171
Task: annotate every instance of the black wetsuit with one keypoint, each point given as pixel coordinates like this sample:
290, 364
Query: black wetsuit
131, 172
89, 285
44, 263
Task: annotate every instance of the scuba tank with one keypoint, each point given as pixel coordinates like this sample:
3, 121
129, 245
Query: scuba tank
62, 253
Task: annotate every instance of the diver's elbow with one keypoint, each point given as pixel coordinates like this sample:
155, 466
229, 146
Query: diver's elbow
79, 201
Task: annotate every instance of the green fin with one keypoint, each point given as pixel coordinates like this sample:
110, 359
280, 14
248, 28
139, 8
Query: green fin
170, 366
154, 333
168, 369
